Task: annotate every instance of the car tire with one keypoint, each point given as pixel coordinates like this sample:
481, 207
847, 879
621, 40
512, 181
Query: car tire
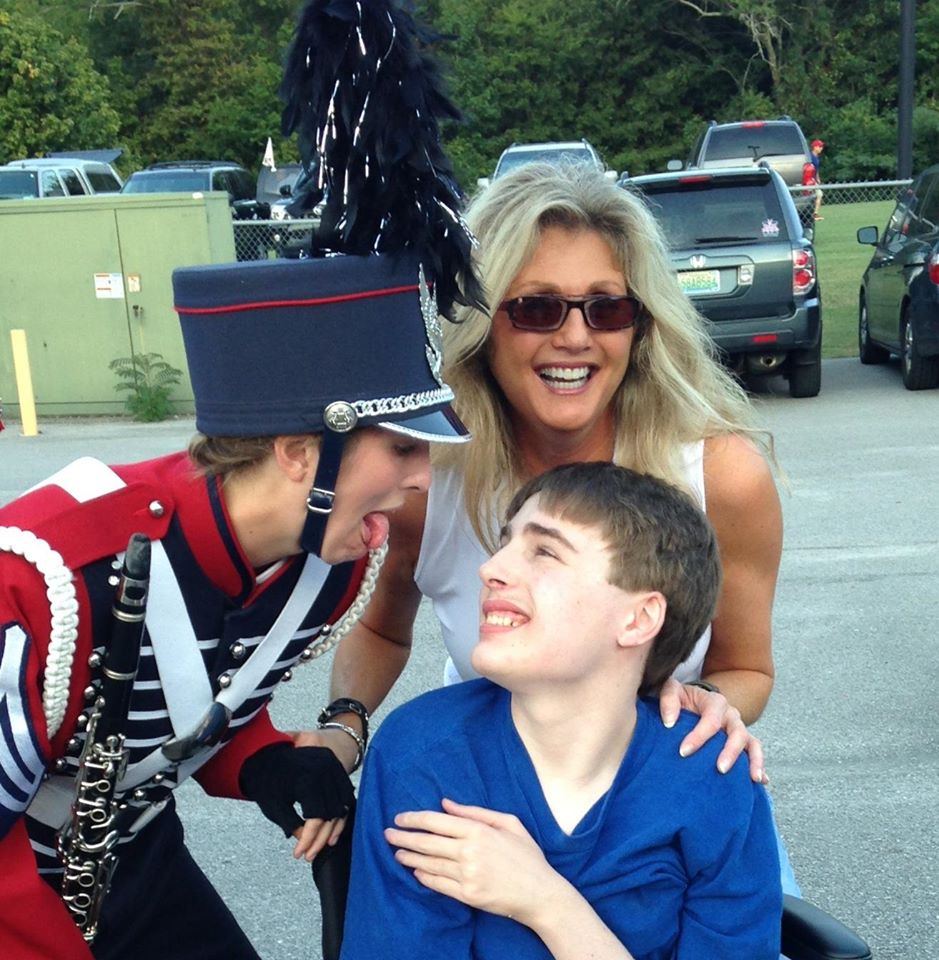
867, 350
919, 373
805, 371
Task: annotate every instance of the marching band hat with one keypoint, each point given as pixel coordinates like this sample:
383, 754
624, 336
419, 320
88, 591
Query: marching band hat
320, 344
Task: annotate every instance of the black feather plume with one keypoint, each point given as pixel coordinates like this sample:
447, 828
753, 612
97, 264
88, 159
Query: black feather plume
365, 100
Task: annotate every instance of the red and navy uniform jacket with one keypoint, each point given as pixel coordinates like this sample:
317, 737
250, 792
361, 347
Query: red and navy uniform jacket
230, 611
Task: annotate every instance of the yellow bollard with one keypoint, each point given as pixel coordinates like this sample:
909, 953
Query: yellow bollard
24, 383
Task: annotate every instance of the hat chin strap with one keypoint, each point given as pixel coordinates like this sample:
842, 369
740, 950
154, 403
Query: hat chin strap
319, 503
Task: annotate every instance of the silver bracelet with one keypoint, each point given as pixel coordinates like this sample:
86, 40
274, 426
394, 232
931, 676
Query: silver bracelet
359, 742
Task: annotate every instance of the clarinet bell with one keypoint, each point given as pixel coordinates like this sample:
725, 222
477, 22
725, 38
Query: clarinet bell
209, 732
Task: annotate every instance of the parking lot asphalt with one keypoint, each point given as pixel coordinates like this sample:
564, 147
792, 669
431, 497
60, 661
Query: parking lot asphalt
850, 731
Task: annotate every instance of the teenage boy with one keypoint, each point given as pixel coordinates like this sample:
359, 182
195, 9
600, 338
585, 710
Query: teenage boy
570, 825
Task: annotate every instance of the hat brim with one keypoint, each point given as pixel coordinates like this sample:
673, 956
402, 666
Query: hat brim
440, 426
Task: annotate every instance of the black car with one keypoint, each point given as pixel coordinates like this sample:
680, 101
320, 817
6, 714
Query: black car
898, 304
194, 176
748, 264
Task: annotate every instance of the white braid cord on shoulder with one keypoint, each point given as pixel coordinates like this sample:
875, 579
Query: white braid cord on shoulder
330, 637
63, 604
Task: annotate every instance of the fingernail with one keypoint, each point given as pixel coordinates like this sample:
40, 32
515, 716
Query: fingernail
684, 750
723, 766
669, 722
765, 780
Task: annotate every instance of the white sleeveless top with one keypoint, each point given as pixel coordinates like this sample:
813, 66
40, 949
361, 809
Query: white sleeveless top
448, 565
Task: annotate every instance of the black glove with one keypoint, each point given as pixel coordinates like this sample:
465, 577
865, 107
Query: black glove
280, 775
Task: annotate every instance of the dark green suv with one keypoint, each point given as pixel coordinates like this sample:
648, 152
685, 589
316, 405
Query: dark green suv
746, 262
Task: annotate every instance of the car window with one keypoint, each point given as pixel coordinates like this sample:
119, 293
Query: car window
925, 213
696, 214
511, 161
222, 181
18, 184
102, 181
753, 142
166, 181
51, 185
72, 183
242, 184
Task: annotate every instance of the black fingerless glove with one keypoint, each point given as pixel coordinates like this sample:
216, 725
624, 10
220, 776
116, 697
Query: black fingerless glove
280, 776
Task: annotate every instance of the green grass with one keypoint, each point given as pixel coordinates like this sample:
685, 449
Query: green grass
841, 262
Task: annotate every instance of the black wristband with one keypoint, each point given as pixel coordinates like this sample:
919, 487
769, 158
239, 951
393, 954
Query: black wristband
704, 685
346, 705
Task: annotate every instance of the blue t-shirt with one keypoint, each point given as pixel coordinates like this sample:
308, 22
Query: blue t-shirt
678, 860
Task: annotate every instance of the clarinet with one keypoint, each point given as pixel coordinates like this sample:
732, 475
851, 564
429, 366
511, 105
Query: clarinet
87, 842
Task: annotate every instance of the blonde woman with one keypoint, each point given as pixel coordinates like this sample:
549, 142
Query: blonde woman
591, 352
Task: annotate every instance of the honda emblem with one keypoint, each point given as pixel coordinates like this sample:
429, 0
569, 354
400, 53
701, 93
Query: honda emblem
698, 261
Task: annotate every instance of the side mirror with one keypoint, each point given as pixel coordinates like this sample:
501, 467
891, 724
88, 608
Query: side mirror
869, 235
482, 182
286, 190
673, 166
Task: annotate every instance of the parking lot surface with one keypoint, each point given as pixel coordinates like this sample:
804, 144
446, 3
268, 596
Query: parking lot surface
851, 734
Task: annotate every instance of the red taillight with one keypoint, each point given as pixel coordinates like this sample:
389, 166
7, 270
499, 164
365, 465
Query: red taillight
803, 271
748, 124
932, 268
696, 178
764, 338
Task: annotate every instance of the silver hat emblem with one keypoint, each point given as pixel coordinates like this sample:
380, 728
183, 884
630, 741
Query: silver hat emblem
340, 416
434, 347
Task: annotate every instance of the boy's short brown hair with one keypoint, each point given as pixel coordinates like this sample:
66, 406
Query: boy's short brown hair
659, 539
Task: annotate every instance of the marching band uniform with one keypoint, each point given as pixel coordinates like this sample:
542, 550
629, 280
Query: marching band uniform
217, 631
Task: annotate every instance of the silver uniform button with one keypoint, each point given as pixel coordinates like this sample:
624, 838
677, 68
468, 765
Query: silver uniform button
288, 675
238, 651
224, 680
156, 508
340, 416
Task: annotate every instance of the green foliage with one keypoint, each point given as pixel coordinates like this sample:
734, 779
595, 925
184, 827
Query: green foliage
639, 78
51, 95
148, 380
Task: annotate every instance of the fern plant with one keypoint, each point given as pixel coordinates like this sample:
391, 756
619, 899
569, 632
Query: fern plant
148, 380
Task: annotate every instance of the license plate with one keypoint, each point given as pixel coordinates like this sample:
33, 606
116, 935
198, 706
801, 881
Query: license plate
700, 281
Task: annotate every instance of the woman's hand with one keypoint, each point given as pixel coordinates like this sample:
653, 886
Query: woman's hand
480, 857
338, 741
716, 714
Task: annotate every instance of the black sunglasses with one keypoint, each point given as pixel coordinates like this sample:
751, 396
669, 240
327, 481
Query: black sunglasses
548, 312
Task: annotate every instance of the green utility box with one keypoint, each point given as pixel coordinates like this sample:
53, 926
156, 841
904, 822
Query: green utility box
88, 279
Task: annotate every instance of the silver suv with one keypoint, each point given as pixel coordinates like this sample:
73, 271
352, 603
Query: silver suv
57, 177
781, 143
556, 151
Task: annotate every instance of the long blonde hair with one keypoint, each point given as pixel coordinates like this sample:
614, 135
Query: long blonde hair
675, 390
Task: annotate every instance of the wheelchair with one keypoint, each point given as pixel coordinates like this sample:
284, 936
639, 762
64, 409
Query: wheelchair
808, 933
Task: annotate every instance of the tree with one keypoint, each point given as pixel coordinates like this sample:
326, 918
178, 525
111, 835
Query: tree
51, 95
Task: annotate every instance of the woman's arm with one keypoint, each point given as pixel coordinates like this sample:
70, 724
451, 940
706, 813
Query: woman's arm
743, 507
372, 655
488, 860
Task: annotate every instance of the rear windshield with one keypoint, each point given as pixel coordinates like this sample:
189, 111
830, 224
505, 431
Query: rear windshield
701, 214
18, 184
102, 181
511, 161
167, 181
753, 142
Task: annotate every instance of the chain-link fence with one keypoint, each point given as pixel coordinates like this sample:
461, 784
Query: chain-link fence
269, 239
867, 191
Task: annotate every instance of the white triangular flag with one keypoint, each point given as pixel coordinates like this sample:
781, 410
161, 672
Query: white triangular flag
268, 160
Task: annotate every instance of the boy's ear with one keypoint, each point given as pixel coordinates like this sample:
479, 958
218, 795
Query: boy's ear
296, 456
643, 620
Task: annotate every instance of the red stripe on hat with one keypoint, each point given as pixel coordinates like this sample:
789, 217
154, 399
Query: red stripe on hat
319, 301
